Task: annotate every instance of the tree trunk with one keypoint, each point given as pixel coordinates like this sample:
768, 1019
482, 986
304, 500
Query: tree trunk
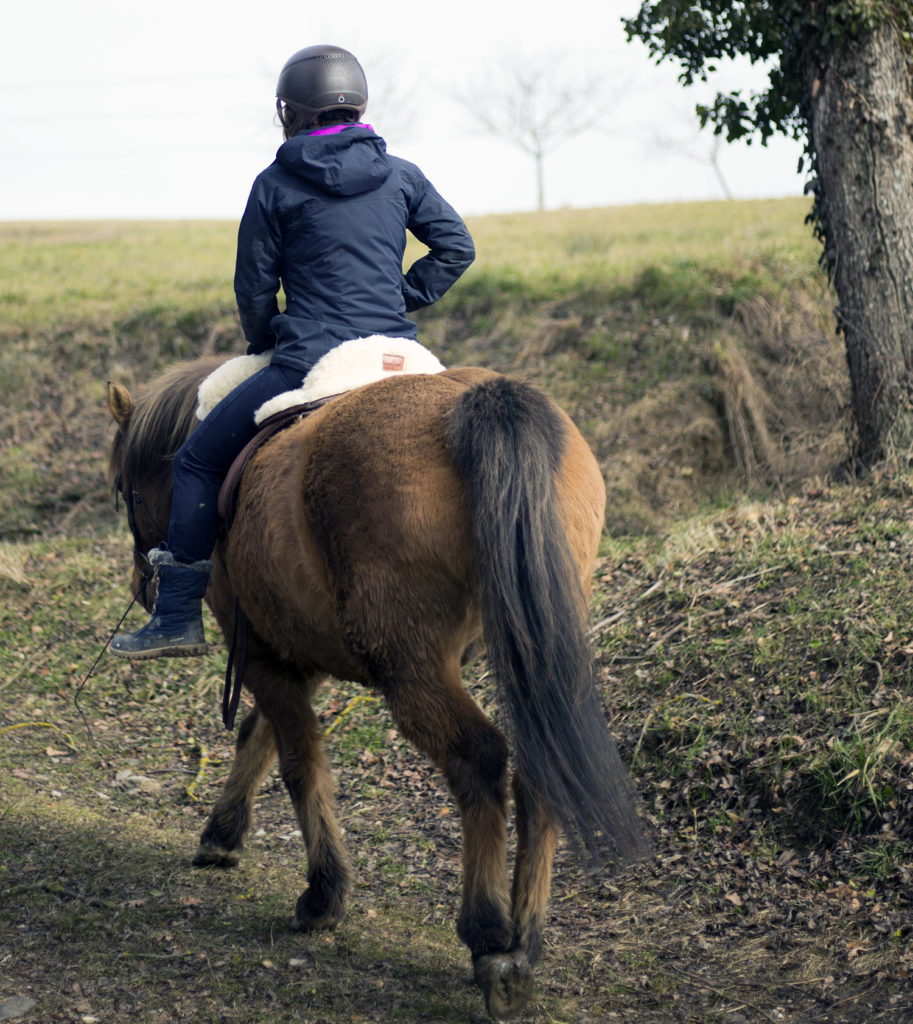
540, 180
861, 125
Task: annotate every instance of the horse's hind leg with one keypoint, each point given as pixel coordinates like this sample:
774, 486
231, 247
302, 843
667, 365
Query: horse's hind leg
445, 723
255, 751
305, 771
537, 837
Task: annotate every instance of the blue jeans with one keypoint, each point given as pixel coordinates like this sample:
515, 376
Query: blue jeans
204, 459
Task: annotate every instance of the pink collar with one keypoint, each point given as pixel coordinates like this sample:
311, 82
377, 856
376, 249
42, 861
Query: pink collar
335, 129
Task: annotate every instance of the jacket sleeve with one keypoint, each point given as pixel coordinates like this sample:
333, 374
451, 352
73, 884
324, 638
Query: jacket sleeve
257, 269
435, 223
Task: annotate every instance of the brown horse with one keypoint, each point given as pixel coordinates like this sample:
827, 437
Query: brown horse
376, 541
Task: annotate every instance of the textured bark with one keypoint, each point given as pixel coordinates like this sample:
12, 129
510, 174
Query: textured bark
861, 124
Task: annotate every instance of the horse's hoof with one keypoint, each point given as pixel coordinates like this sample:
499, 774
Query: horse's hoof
506, 981
311, 923
215, 857
306, 919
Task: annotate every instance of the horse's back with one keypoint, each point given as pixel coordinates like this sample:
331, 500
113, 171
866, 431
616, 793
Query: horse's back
381, 483
382, 478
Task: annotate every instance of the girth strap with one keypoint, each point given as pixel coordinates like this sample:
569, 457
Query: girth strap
231, 695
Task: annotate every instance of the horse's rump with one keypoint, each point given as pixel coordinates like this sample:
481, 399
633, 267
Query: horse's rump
356, 518
415, 510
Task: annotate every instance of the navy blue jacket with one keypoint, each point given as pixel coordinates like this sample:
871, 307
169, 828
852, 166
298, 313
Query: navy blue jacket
328, 220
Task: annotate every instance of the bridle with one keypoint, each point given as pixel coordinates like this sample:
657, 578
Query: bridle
133, 500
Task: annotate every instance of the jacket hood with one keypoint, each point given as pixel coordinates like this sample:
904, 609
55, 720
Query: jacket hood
345, 163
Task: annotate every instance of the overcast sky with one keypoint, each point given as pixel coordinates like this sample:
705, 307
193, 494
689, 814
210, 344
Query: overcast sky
115, 109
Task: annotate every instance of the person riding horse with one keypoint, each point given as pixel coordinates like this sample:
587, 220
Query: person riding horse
327, 220
379, 540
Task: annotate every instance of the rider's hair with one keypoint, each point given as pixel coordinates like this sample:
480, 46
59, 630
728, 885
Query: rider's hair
327, 118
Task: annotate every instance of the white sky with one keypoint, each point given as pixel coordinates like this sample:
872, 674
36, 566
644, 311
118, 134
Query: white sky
115, 109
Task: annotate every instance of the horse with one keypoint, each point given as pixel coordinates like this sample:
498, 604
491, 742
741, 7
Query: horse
378, 540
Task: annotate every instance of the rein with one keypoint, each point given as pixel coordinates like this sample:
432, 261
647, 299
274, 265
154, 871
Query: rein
146, 573
140, 592
231, 694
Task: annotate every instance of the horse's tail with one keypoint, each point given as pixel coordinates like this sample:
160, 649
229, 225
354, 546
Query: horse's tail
507, 439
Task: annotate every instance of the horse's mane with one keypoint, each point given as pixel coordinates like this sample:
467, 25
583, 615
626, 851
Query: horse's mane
162, 419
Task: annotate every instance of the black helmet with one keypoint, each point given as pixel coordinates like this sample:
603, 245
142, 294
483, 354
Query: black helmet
322, 78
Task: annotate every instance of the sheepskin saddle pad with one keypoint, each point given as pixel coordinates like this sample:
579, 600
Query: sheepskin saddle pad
348, 366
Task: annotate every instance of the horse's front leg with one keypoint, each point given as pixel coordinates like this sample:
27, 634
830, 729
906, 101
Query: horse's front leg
222, 838
306, 773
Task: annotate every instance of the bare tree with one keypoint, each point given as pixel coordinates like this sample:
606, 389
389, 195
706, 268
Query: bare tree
390, 91
692, 143
535, 104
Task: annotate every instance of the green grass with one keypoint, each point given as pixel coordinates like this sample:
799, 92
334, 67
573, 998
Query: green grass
119, 272
103, 273
620, 243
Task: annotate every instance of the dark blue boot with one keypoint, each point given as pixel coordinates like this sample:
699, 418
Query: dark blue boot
176, 626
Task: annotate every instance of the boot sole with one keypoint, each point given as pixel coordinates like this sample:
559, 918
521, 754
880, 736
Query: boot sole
188, 651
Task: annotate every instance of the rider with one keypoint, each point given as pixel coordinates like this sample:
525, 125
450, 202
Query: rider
327, 220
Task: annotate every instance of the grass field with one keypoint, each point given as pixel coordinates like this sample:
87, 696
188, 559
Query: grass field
72, 273
751, 625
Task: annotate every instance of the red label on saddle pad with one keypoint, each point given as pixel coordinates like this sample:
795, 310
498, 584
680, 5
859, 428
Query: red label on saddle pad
393, 364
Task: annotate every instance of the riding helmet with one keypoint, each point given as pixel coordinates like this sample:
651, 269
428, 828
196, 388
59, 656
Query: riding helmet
322, 78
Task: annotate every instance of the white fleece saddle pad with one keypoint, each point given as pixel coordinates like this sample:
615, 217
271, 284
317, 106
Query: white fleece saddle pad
350, 365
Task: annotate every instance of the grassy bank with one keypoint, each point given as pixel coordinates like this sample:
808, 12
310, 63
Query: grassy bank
694, 345
105, 272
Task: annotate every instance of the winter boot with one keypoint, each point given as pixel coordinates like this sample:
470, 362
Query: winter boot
176, 626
